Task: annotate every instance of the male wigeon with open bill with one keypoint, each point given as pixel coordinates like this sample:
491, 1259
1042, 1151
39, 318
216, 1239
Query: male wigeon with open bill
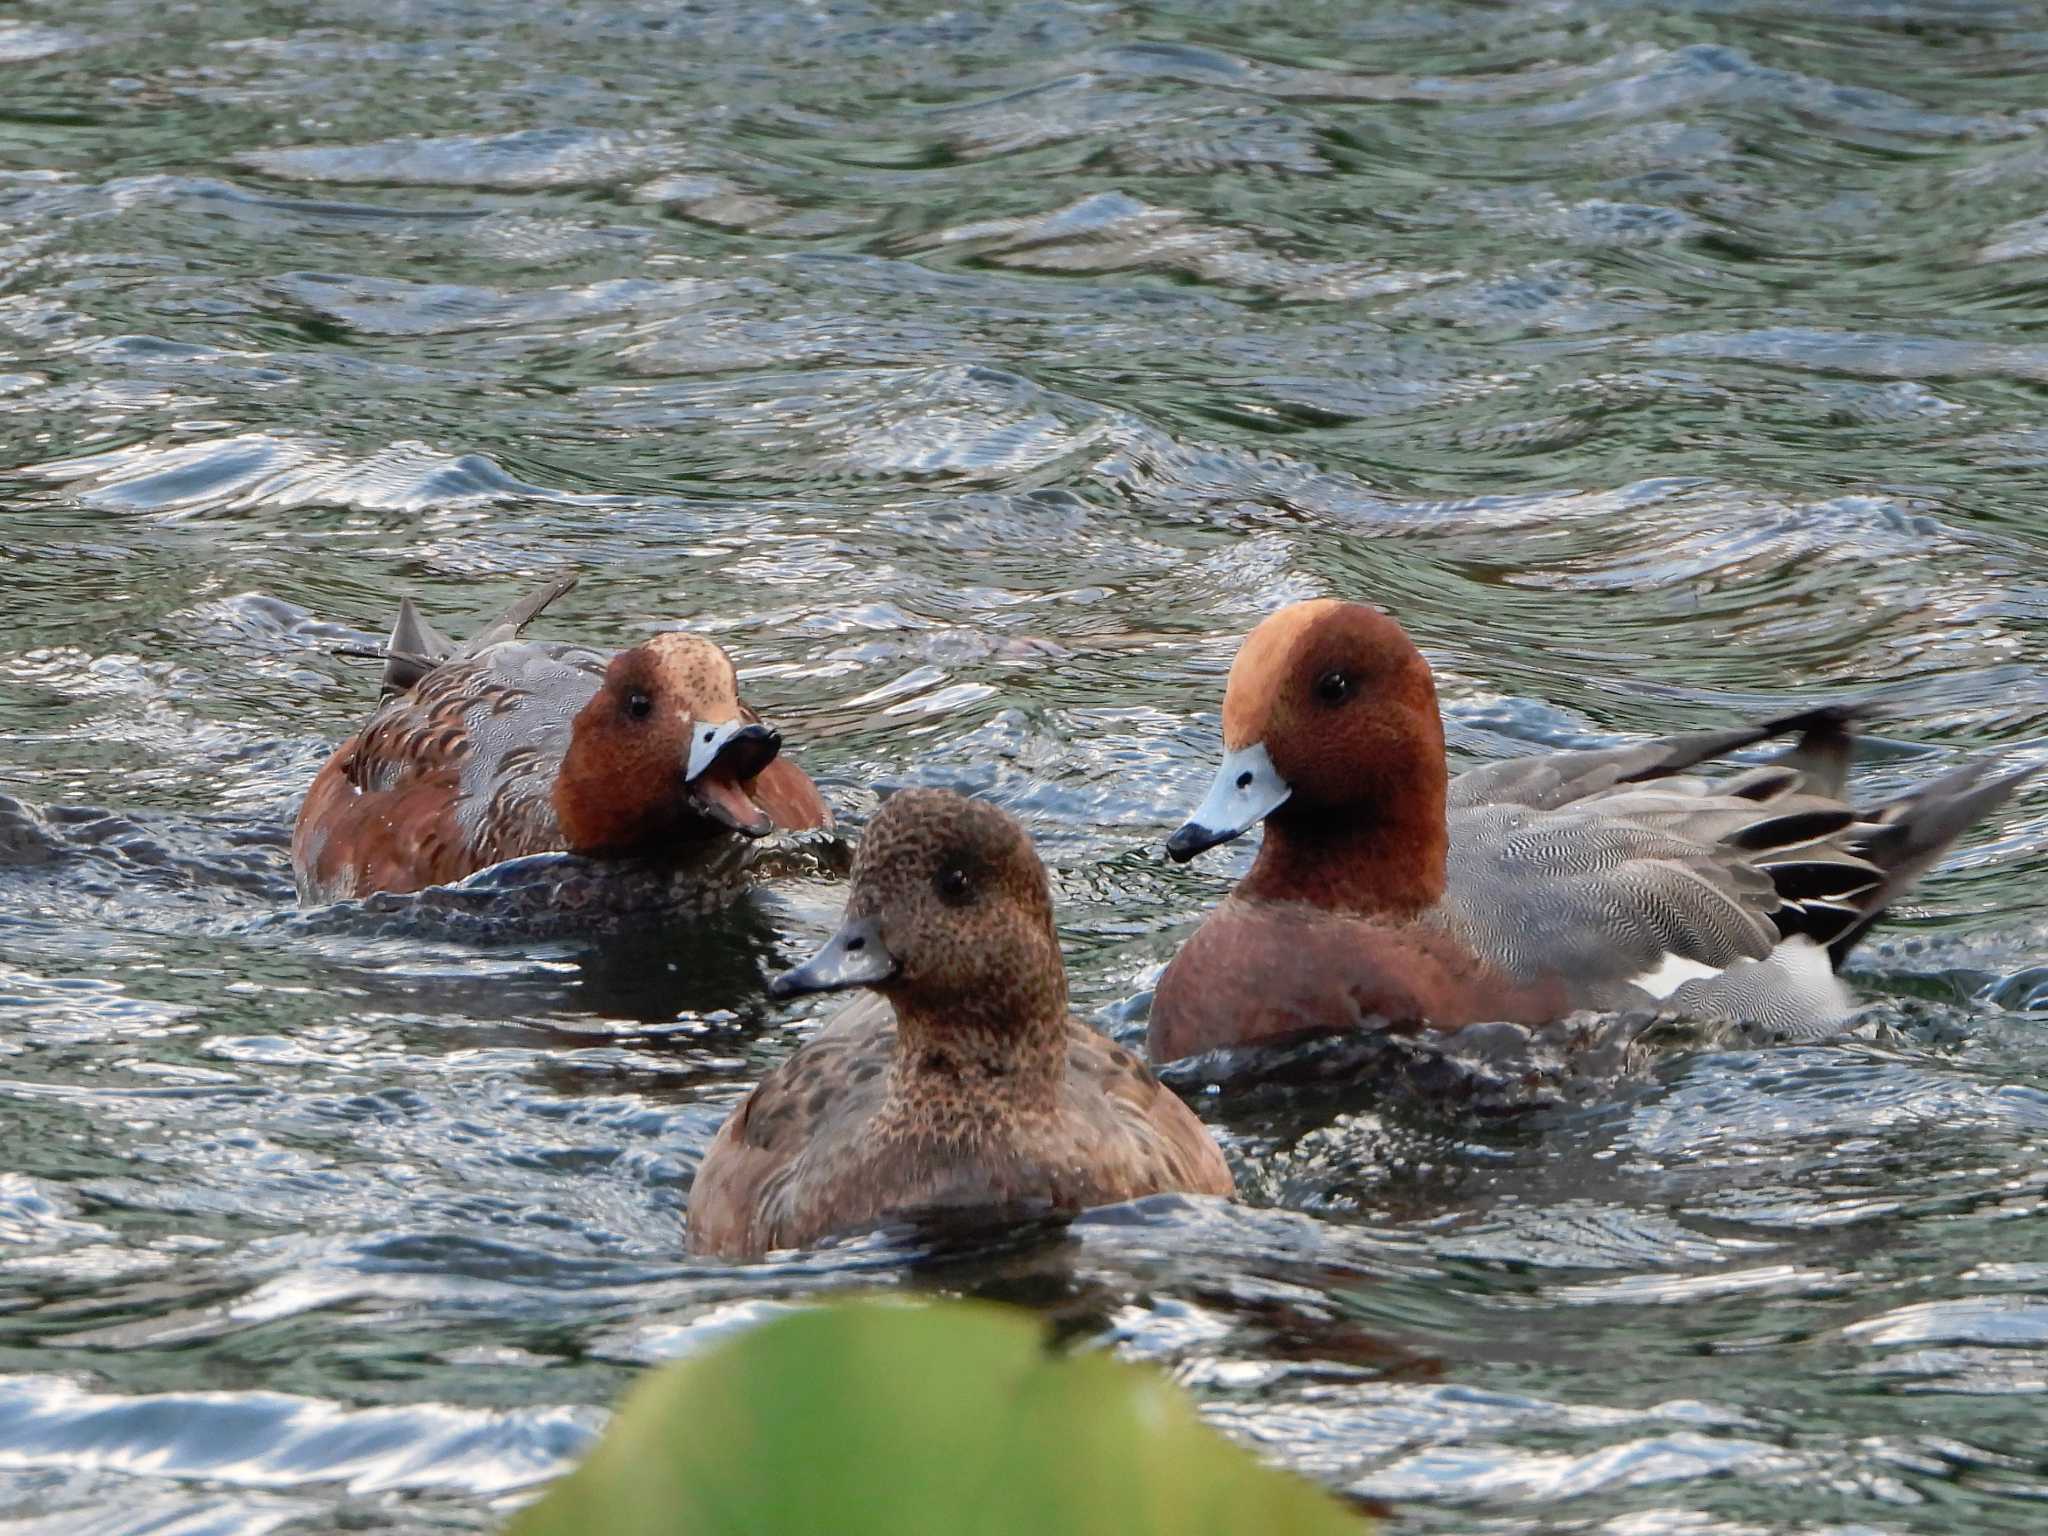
1386, 890
504, 747
965, 1085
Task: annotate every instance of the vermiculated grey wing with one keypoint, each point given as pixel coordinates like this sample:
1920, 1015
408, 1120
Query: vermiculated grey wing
518, 700
1620, 872
1599, 901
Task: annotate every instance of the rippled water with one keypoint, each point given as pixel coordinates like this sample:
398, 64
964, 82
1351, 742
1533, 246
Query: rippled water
977, 377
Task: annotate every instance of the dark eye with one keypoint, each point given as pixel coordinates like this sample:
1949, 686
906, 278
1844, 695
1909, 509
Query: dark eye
955, 889
639, 706
1333, 687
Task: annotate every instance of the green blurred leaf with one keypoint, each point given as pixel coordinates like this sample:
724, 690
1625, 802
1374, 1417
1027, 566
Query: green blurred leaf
947, 1418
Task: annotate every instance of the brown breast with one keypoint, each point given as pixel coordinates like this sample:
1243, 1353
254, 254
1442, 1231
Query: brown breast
1257, 971
840, 1137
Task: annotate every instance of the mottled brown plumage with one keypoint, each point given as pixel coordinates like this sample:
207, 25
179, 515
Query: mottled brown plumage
512, 747
964, 1084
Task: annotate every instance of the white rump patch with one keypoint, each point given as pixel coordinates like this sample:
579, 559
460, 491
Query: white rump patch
1809, 975
1671, 973
1794, 985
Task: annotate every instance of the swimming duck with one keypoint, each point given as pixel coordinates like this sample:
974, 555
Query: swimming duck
1522, 890
966, 1083
504, 747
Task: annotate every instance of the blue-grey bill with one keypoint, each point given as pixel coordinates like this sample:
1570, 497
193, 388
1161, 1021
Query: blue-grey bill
723, 757
855, 956
1247, 788
712, 739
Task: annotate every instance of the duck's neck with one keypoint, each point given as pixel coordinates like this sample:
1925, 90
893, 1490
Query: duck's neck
983, 1051
1385, 859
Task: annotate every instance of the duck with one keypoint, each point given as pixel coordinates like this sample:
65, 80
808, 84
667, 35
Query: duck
504, 747
961, 1084
1387, 893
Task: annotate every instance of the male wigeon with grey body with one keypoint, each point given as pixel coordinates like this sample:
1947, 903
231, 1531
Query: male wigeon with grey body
964, 1084
1388, 892
505, 747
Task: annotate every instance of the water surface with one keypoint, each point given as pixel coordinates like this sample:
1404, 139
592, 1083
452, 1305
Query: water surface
977, 376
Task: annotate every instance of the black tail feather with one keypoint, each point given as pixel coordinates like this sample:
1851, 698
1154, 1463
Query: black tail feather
1909, 835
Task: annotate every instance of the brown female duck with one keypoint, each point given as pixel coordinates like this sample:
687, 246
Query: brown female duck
966, 1083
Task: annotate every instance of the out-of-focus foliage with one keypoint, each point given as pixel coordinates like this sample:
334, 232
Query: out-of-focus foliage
946, 1418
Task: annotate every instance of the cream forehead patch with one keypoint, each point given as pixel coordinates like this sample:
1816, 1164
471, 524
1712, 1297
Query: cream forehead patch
699, 673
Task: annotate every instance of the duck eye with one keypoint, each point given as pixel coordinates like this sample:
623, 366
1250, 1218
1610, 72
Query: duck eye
639, 706
1333, 687
955, 889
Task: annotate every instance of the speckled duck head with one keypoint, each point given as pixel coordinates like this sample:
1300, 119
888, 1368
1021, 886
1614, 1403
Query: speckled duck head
950, 917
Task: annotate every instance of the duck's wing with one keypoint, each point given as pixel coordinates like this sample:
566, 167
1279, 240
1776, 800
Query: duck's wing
1135, 1134
507, 625
784, 1169
349, 842
1548, 780
452, 774
414, 649
1907, 836
1794, 987
1738, 895
1643, 889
